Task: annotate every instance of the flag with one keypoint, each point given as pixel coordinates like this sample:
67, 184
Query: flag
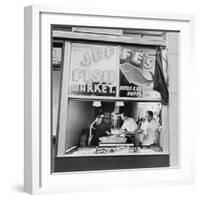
159, 79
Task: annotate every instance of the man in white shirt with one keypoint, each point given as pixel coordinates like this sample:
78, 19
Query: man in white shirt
150, 130
129, 124
129, 127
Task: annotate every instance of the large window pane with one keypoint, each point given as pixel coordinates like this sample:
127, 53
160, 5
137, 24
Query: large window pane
102, 128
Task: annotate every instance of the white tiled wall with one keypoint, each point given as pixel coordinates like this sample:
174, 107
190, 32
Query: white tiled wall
173, 70
173, 43
173, 73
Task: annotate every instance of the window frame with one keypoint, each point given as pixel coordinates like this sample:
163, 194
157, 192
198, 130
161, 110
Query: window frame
61, 147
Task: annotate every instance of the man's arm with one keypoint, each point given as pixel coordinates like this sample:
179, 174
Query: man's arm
133, 128
131, 132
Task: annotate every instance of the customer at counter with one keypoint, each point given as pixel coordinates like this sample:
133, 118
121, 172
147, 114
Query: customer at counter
99, 129
149, 129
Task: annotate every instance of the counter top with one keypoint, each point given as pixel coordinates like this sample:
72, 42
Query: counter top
119, 151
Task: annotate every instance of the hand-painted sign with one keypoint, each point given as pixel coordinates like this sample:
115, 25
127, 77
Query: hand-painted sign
137, 67
93, 70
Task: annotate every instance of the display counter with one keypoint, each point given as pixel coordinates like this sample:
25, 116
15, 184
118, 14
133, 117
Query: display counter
111, 151
109, 158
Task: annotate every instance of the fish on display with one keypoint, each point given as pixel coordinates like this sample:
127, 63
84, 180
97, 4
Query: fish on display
134, 75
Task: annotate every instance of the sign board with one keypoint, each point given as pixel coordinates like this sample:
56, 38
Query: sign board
137, 67
93, 70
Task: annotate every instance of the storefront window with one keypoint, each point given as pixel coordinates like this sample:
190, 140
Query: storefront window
103, 71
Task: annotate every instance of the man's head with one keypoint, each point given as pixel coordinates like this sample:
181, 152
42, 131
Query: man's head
149, 115
99, 119
124, 116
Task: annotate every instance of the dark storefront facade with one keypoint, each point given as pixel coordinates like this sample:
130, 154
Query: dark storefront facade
107, 75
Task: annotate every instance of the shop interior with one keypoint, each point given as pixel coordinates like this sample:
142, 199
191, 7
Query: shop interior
82, 114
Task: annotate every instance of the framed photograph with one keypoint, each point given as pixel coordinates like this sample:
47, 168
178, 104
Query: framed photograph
106, 99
